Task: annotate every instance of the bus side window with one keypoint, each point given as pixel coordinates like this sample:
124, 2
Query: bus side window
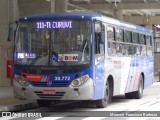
129, 49
127, 36
111, 39
119, 35
110, 34
136, 50
113, 48
135, 37
120, 49
102, 41
99, 38
149, 45
143, 45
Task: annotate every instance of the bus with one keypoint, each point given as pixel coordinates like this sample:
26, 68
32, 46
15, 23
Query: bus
81, 56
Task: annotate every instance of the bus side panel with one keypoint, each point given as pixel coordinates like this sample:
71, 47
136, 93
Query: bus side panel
125, 75
139, 65
145, 67
149, 72
133, 75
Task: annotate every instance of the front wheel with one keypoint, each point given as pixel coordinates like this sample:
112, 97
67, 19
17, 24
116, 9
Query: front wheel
102, 103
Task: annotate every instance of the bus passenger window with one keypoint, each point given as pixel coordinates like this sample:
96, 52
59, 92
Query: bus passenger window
113, 49
136, 50
149, 46
110, 39
127, 36
110, 34
102, 41
119, 35
109, 48
149, 51
142, 39
148, 40
129, 49
135, 37
143, 50
120, 50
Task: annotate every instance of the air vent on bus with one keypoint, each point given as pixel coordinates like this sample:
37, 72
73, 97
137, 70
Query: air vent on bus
54, 84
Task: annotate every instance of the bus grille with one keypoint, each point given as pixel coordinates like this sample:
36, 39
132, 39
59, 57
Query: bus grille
54, 84
57, 95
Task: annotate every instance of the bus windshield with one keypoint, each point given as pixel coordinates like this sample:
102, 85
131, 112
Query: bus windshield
53, 43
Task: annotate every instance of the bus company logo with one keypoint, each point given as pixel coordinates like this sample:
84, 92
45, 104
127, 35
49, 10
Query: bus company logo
49, 83
55, 57
6, 114
68, 57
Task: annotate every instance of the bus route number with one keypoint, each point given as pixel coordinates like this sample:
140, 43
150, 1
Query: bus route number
62, 78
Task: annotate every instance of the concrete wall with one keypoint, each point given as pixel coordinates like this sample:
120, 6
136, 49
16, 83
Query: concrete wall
32, 7
11, 10
4, 20
156, 63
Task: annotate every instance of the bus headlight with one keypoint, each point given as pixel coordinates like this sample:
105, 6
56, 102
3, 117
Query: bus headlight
80, 81
22, 81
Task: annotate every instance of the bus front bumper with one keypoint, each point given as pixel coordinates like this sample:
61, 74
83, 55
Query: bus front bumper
83, 92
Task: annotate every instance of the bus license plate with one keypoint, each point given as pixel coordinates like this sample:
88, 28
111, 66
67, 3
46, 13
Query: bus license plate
49, 92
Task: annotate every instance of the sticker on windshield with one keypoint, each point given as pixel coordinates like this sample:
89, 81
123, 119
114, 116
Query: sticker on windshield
55, 57
65, 57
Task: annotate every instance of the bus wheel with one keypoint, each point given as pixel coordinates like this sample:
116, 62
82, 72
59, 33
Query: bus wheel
102, 103
44, 103
138, 94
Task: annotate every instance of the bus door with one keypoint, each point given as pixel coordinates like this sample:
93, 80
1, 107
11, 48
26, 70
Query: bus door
99, 46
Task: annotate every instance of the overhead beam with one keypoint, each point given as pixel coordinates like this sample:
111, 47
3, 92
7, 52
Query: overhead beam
157, 1
125, 12
76, 6
140, 20
109, 1
146, 12
145, 5
139, 12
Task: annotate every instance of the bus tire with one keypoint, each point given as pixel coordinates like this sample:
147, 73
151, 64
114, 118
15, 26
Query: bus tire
44, 103
129, 95
102, 103
138, 94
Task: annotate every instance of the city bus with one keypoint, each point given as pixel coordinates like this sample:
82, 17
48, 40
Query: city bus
81, 56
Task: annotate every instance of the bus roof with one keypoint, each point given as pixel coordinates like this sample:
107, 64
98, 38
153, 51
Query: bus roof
88, 15
75, 15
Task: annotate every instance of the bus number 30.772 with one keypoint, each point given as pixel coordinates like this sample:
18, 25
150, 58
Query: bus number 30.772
66, 78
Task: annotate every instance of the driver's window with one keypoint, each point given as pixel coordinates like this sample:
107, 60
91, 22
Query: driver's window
99, 38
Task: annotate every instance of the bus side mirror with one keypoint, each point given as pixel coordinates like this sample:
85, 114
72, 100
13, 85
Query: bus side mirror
11, 30
9, 34
98, 27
